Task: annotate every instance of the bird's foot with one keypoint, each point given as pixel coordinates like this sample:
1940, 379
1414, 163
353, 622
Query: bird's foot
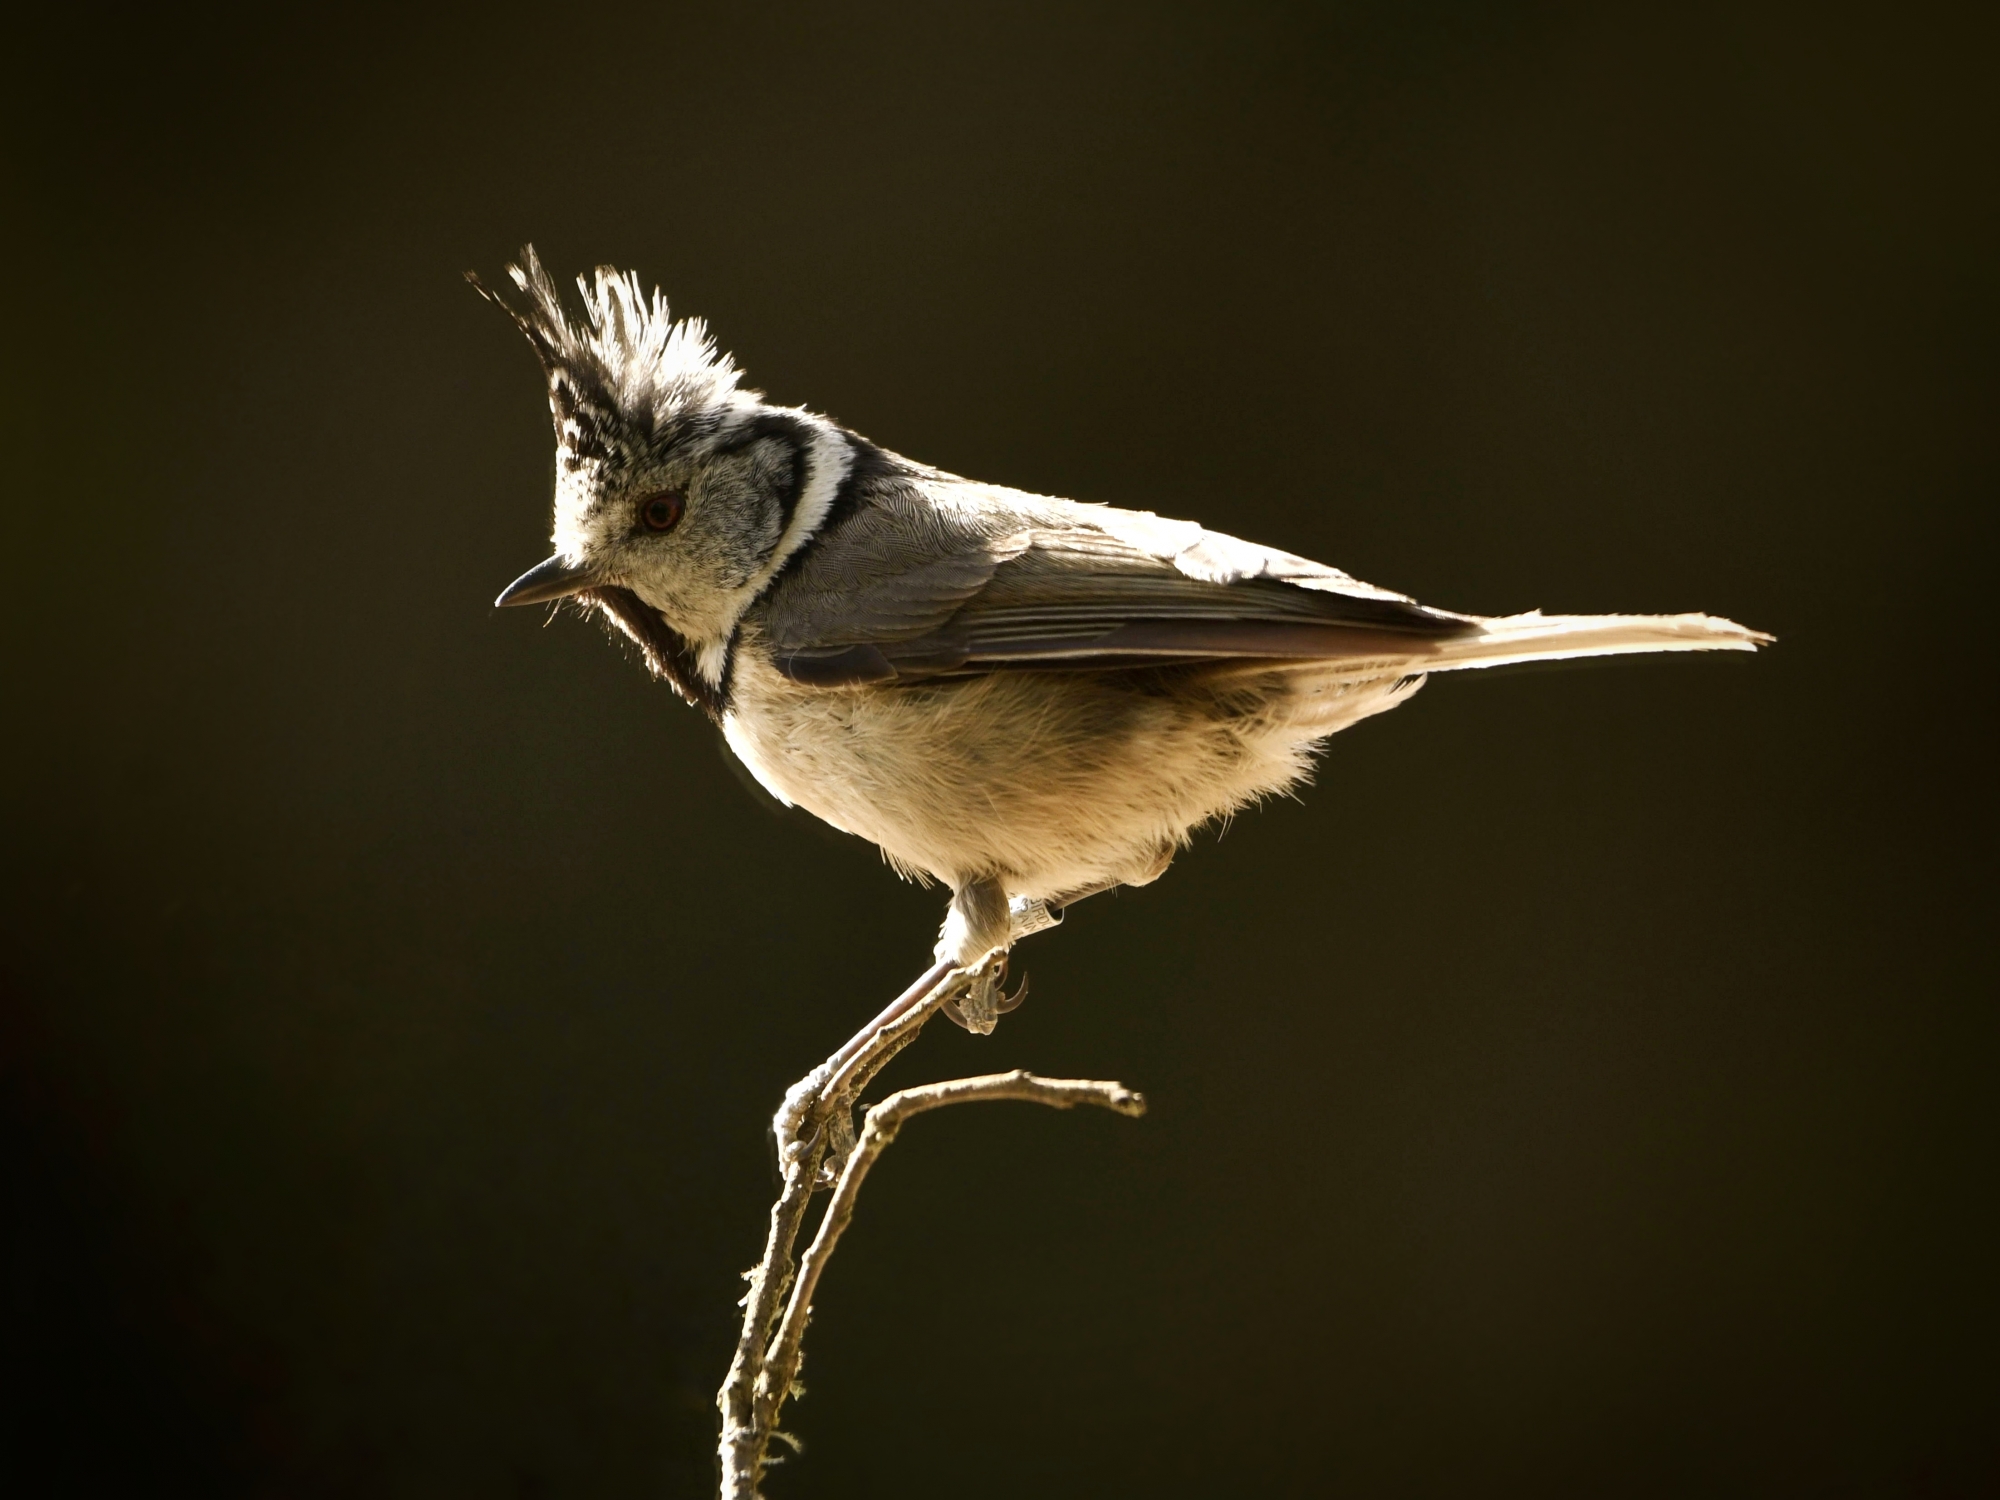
984, 1000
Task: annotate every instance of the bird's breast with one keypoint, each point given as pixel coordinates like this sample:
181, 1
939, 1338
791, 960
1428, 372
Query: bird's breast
1054, 781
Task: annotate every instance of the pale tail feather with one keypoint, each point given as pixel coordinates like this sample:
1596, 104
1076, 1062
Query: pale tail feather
1539, 637
1509, 639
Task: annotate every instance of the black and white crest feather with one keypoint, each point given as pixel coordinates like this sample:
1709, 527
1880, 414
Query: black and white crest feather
624, 372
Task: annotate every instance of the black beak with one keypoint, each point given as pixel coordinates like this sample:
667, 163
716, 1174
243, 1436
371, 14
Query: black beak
554, 579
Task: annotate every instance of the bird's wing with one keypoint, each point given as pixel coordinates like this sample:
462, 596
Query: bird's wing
1002, 581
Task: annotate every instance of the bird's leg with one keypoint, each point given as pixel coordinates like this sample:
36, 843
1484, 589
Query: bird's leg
980, 1009
983, 921
1028, 915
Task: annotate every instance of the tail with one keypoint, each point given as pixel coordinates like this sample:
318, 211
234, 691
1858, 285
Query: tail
1539, 637
1338, 690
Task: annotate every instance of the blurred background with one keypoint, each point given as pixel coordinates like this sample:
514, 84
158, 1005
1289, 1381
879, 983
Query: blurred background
1583, 1089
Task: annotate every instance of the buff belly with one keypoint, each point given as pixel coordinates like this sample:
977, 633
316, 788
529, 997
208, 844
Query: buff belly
1051, 783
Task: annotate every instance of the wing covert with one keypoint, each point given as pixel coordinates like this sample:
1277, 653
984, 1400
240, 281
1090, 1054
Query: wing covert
1076, 587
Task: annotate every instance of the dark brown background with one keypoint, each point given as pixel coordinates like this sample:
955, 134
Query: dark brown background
1583, 1092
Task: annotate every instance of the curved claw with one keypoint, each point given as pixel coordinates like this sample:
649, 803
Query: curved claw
980, 1004
1004, 1002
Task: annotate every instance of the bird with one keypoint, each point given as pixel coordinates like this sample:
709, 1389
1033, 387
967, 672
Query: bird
1027, 699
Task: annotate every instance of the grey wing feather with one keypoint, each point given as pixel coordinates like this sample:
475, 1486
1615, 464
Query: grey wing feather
1008, 581
895, 568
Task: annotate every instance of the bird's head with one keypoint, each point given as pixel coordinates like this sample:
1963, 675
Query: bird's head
674, 484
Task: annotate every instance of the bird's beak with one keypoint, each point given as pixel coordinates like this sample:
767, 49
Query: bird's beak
554, 579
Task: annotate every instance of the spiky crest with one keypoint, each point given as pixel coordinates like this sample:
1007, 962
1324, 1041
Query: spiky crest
627, 369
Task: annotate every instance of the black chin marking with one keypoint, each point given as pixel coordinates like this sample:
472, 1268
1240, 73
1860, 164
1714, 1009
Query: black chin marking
668, 653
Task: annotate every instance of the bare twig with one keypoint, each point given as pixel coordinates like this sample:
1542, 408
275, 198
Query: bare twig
743, 1442
802, 1137
813, 1121
781, 1367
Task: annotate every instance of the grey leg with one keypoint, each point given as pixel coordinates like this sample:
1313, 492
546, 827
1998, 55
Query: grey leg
979, 922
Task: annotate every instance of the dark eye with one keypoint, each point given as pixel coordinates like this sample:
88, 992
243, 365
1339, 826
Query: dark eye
661, 512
